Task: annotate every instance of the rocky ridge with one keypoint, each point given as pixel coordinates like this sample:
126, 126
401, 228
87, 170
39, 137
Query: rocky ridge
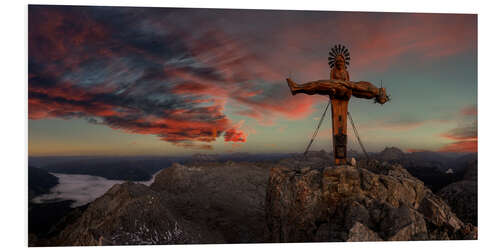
289, 201
346, 203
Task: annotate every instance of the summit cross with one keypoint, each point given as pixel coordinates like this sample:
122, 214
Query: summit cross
340, 89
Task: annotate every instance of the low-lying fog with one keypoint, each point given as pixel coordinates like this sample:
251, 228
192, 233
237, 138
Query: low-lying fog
80, 188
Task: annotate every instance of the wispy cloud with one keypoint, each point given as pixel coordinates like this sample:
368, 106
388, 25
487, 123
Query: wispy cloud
460, 146
403, 122
464, 137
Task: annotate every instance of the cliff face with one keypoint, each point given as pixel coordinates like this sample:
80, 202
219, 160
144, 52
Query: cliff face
345, 203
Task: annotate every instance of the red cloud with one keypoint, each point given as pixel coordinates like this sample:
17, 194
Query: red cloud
238, 86
460, 146
291, 107
461, 133
465, 139
56, 35
381, 41
67, 40
233, 135
180, 126
377, 40
240, 68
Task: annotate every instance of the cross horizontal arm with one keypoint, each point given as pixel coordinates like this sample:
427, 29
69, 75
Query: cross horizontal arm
338, 88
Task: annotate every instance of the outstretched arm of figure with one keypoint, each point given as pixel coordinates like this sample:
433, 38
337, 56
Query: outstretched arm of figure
360, 89
367, 90
364, 89
321, 87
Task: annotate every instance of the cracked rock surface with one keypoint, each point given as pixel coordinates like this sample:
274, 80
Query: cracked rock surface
345, 203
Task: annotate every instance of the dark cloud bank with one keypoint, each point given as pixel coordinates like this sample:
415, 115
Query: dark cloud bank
141, 70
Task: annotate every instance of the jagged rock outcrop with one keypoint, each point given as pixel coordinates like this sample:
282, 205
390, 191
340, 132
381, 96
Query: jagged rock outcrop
345, 203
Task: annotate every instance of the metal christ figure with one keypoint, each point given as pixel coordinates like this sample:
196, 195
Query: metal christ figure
340, 89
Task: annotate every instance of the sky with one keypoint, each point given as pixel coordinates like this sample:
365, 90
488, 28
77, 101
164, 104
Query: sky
173, 81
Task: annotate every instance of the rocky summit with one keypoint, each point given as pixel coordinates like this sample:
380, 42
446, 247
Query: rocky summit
344, 203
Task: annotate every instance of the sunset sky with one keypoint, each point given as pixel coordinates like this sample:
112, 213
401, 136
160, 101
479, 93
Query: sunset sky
163, 81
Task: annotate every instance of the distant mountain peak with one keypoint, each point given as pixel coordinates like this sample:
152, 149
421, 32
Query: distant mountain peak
204, 157
391, 153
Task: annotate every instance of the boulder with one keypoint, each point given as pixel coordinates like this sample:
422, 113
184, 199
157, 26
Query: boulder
360, 232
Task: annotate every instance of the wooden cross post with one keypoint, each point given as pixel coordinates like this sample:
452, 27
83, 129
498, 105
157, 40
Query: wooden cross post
340, 89
339, 129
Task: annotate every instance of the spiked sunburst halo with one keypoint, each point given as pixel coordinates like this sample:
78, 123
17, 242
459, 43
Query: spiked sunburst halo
338, 50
